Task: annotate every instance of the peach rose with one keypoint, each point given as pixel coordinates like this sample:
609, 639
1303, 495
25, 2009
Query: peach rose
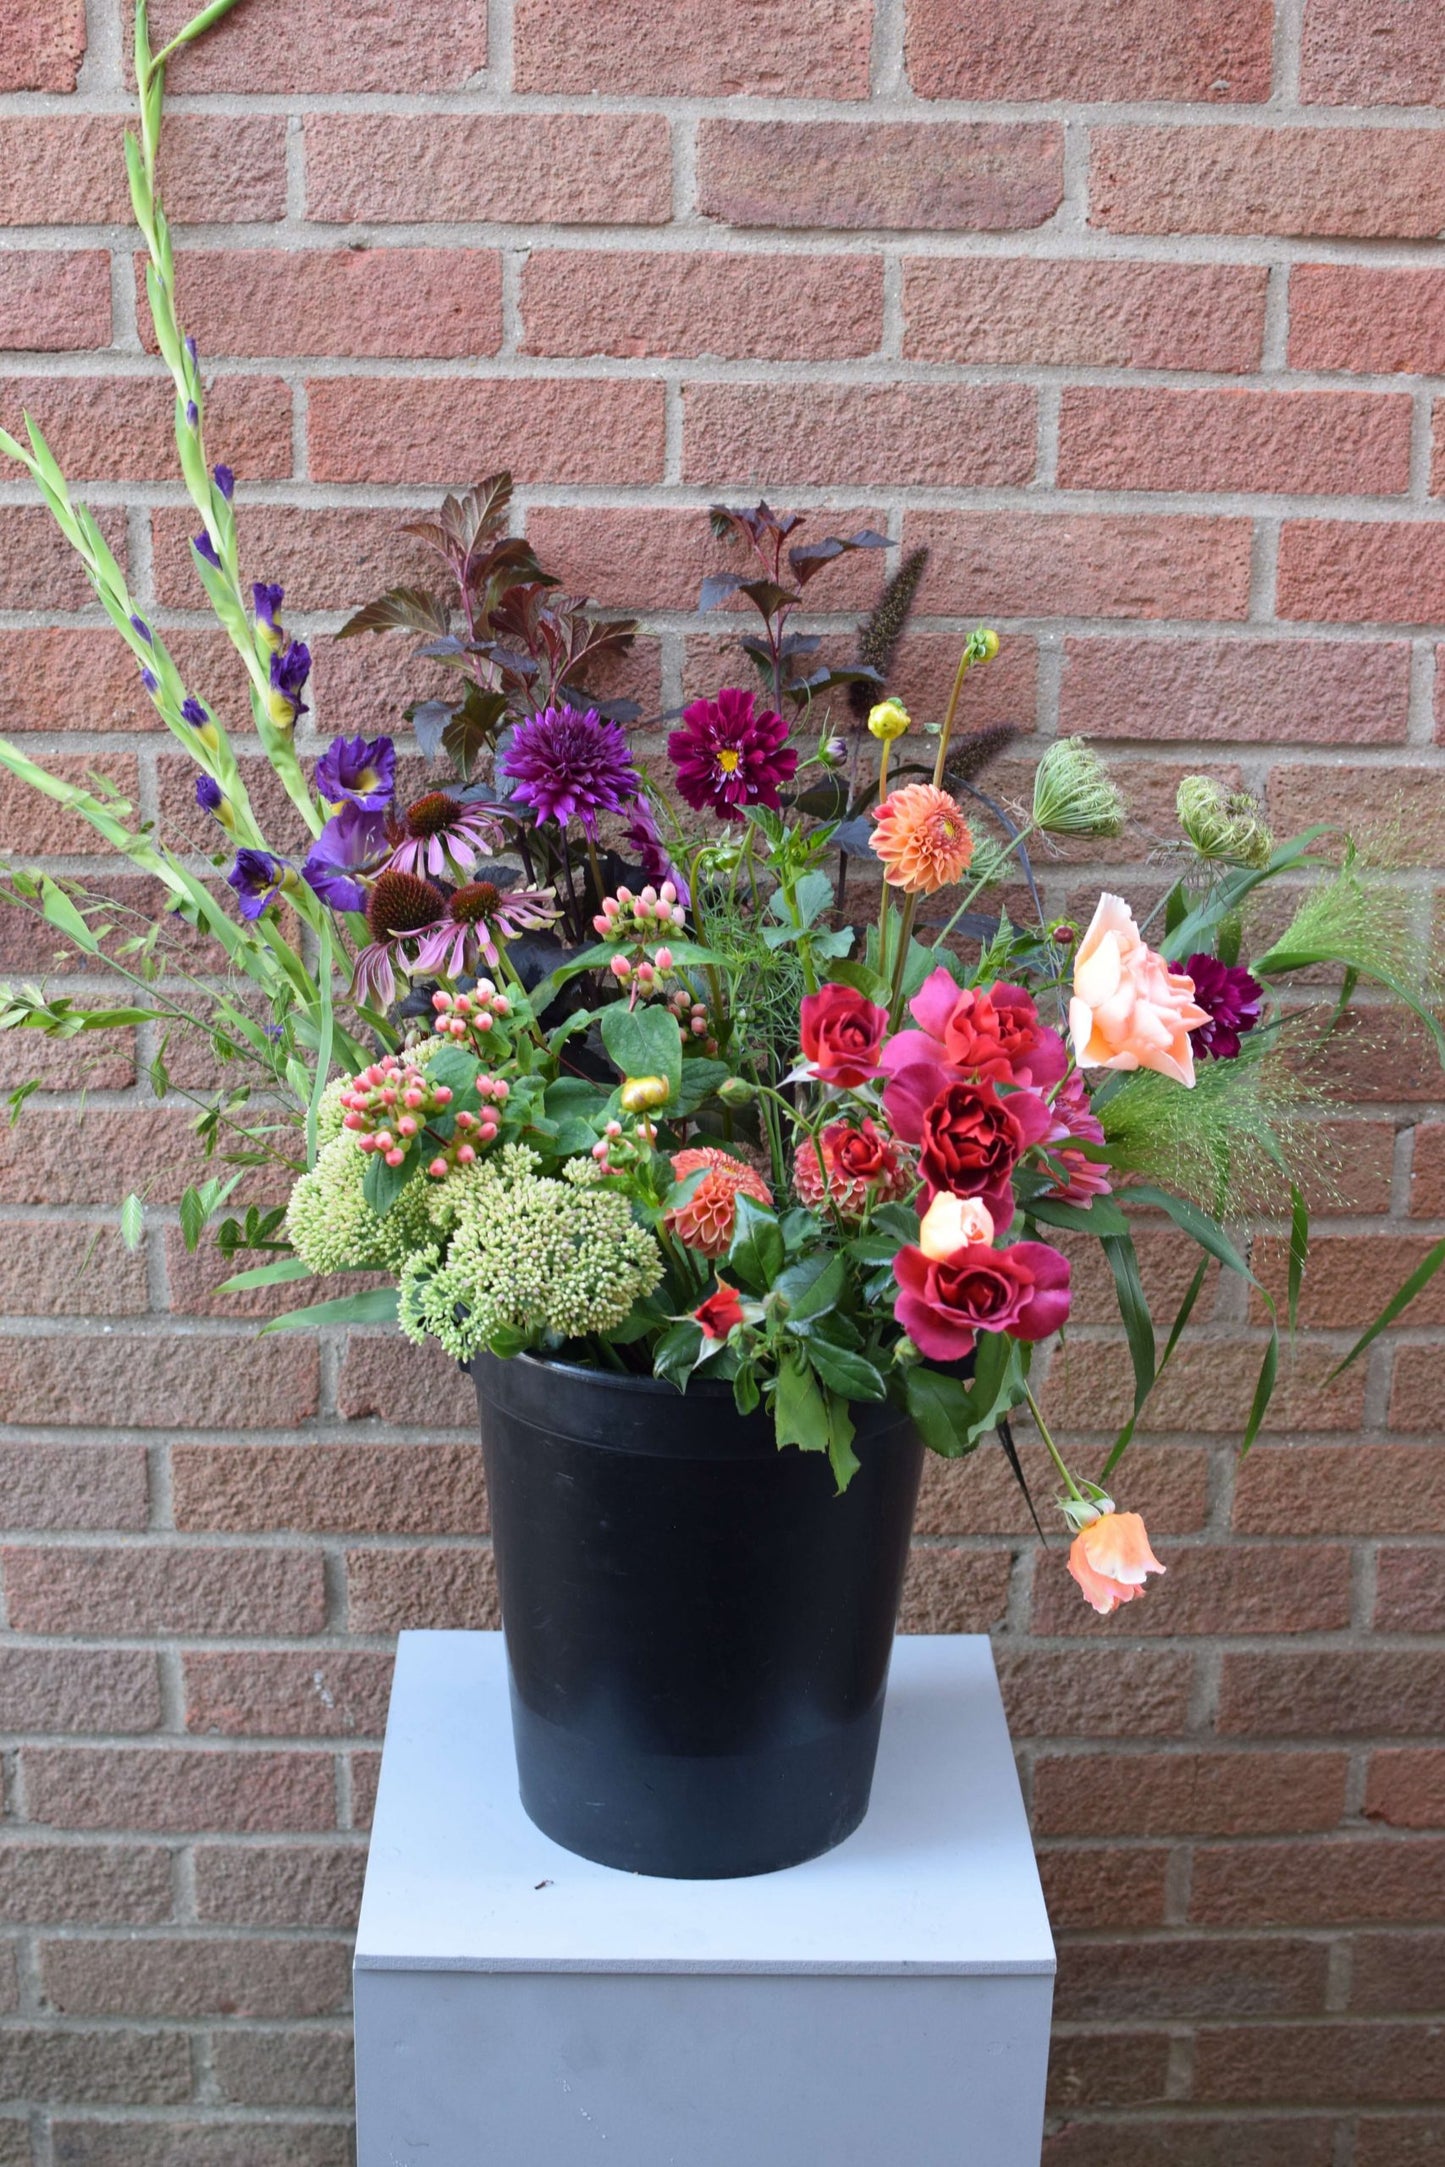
953, 1222
1129, 1009
1110, 1558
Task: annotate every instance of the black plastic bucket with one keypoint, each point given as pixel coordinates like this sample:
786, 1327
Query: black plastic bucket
698, 1629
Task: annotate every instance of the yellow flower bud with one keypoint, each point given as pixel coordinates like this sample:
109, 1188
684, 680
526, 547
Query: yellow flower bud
988, 641
888, 720
281, 710
641, 1093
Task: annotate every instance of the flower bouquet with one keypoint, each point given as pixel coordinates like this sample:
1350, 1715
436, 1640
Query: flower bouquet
738, 1062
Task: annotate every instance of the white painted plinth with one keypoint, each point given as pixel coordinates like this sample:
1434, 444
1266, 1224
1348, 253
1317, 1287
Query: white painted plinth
885, 2006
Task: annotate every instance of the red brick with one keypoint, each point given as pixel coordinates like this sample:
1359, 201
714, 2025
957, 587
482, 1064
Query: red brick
1333, 442
451, 1588
1320, 2064
179, 1790
75, 1156
164, 1590
1260, 690
329, 46
75, 2065
373, 1489
1367, 317
1378, 1052
1427, 1173
1067, 49
1329, 1694
1417, 1394
409, 303
1126, 1980
45, 828
1209, 1386
1086, 1889
1102, 1692
1410, 1591
404, 1384
1103, 2069
1091, 564
325, 1693
54, 1884
1400, 2141
54, 679
1340, 1881
1398, 1974
1230, 1589
79, 1689
58, 1268
42, 43
693, 49
1188, 1793
277, 1884
1194, 2143
300, 2066
123, 428
1404, 806
1166, 1483
38, 567
954, 1591
166, 1383
73, 1486
172, 1976
324, 559
98, 2143
1405, 1787
54, 301
69, 170
637, 557
531, 168
980, 176
365, 429
996, 310
1335, 1489
1388, 53
859, 435
365, 1775
1379, 571
1347, 1276
644, 302
1364, 184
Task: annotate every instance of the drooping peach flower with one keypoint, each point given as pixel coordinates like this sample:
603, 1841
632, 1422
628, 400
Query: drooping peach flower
922, 838
1129, 1009
705, 1221
1110, 1559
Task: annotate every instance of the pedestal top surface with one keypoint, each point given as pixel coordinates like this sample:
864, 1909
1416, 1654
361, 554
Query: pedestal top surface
939, 1878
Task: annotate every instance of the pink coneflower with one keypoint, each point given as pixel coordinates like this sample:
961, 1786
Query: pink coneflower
401, 906
727, 758
922, 838
473, 920
438, 832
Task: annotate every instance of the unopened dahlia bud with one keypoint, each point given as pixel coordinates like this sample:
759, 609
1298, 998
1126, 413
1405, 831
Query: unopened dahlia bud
888, 720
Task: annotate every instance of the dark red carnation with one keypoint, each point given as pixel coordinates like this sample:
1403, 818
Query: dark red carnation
841, 1033
943, 1306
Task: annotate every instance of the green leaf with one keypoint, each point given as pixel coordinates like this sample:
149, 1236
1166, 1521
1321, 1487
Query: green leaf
194, 1215
381, 1184
844, 1372
1399, 1301
458, 1071
1263, 1393
676, 1354
857, 974
756, 1250
700, 1080
1299, 1249
821, 1294
266, 1275
643, 1042
61, 912
800, 1412
1186, 1311
132, 1221
939, 1409
841, 1457
745, 1389
1100, 1217
1134, 1310
377, 1305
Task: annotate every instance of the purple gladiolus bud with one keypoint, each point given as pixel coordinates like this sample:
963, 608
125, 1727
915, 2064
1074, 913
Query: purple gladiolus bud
151, 682
266, 601
209, 794
225, 481
256, 877
192, 351
193, 413
143, 628
205, 547
289, 672
193, 713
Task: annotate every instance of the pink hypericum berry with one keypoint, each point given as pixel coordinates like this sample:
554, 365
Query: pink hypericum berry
501, 1089
621, 969
465, 1155
394, 1157
488, 1131
698, 1027
441, 1001
663, 959
406, 1126
502, 1005
443, 1094
599, 1151
438, 1169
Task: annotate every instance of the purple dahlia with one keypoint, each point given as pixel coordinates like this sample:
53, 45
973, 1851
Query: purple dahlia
727, 758
571, 766
1233, 1000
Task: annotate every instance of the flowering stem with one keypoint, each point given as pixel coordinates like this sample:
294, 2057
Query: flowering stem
905, 936
1043, 1429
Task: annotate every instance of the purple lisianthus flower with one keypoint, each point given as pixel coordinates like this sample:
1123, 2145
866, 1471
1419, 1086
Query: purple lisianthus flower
359, 771
652, 853
571, 766
224, 480
289, 672
209, 794
1234, 1001
257, 878
351, 844
727, 758
204, 547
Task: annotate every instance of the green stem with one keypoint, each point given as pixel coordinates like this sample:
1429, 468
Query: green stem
905, 936
1043, 1430
979, 885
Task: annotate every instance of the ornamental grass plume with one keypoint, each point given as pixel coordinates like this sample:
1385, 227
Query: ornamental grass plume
1074, 793
1234, 1142
881, 632
922, 839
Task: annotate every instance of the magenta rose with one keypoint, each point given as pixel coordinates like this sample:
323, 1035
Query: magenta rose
841, 1034
972, 1138
995, 1034
944, 1305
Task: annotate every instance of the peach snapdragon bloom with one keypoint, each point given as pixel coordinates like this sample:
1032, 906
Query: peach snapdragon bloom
1110, 1557
1129, 1010
922, 838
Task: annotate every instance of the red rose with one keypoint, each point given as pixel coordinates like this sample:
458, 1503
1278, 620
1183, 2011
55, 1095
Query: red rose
841, 1034
943, 1306
720, 1312
995, 1034
973, 1139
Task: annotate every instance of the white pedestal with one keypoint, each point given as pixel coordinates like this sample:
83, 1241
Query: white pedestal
519, 2007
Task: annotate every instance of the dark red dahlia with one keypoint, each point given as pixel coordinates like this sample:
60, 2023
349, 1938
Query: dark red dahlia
727, 758
1233, 1000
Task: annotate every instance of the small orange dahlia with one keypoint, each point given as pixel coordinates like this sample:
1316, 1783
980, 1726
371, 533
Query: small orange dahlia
851, 1169
705, 1221
923, 839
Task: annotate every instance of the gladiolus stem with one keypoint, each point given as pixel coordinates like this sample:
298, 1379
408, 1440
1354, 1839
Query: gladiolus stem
1043, 1429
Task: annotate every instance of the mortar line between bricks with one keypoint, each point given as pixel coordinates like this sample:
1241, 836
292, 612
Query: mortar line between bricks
1288, 34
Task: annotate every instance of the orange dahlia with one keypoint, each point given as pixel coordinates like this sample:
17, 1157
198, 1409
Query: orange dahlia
851, 1169
923, 839
705, 1221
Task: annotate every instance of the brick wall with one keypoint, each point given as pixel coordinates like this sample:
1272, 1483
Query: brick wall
1135, 313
